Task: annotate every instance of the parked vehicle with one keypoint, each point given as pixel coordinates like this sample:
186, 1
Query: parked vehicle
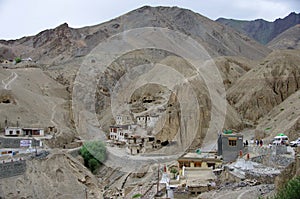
281, 140
295, 143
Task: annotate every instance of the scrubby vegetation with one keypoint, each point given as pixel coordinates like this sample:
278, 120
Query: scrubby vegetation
138, 195
290, 191
18, 60
93, 153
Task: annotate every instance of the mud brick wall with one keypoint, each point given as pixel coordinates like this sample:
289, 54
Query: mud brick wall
10, 169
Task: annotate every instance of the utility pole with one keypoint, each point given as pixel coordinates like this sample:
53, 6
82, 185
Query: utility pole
6, 122
157, 190
86, 195
35, 143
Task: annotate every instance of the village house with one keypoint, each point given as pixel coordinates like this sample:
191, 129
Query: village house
147, 120
123, 120
204, 160
196, 171
33, 132
150, 143
18, 131
13, 131
199, 180
120, 132
230, 145
137, 144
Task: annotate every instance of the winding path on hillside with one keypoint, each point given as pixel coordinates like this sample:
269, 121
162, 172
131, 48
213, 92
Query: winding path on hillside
242, 193
53, 115
6, 83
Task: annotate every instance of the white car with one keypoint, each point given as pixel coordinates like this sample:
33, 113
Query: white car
295, 143
281, 140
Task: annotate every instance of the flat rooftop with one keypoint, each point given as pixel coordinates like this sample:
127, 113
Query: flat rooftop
200, 156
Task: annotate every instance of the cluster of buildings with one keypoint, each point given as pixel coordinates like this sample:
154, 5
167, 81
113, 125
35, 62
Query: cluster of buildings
197, 172
17, 139
134, 137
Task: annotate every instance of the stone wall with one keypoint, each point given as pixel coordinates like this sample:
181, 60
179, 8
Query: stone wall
74, 152
10, 169
279, 149
15, 142
259, 150
261, 178
274, 149
289, 172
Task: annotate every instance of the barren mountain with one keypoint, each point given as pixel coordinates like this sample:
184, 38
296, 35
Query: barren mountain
267, 85
283, 118
64, 43
32, 98
289, 39
49, 46
232, 68
261, 30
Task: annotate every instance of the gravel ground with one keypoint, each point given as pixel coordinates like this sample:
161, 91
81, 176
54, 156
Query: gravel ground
236, 192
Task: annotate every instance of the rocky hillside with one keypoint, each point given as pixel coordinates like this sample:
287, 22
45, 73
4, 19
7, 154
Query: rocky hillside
64, 43
57, 45
58, 175
266, 86
261, 30
289, 39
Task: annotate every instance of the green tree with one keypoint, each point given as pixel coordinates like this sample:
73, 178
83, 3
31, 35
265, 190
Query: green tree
290, 191
174, 171
93, 153
93, 164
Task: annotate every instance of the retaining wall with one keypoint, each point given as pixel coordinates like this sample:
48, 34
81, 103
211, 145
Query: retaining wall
15, 142
10, 169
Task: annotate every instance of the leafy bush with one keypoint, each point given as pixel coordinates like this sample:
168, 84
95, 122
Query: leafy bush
290, 191
18, 60
174, 172
93, 164
138, 195
93, 153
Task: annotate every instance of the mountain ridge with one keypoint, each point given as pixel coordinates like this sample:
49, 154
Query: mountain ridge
288, 39
63, 43
261, 30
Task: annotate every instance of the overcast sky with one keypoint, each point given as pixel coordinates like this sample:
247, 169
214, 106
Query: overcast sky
20, 18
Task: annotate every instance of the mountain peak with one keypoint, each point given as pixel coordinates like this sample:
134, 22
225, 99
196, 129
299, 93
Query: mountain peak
261, 30
64, 25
